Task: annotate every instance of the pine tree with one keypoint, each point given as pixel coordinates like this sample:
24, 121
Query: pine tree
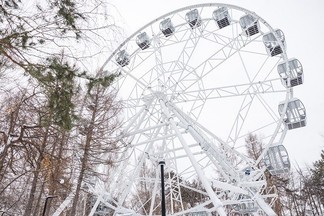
47, 54
43, 46
317, 181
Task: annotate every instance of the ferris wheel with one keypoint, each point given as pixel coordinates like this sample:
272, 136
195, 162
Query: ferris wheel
195, 83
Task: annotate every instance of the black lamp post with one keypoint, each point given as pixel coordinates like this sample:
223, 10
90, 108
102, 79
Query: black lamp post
162, 163
45, 205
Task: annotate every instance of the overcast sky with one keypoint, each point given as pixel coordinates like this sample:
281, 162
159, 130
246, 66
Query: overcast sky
302, 23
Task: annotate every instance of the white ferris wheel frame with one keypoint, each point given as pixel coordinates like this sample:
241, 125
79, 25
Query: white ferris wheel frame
186, 120
170, 117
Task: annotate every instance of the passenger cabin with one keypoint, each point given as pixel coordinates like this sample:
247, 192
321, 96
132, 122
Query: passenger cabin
277, 160
295, 116
122, 58
246, 207
293, 74
199, 213
167, 27
143, 41
249, 25
193, 18
222, 17
272, 44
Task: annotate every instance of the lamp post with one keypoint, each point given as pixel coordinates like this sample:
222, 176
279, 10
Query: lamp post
45, 205
162, 163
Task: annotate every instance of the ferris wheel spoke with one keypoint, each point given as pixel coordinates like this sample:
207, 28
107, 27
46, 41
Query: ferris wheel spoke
140, 83
240, 119
259, 129
225, 186
192, 74
129, 181
217, 203
192, 77
214, 36
216, 155
215, 138
268, 108
134, 123
256, 88
244, 67
187, 53
236, 133
160, 70
212, 62
157, 52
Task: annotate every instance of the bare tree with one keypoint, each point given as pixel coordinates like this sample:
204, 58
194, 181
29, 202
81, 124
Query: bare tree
98, 124
52, 48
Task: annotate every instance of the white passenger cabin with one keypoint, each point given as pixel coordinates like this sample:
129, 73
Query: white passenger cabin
193, 18
277, 160
249, 25
293, 74
122, 58
143, 41
199, 213
222, 17
295, 116
272, 44
246, 207
167, 27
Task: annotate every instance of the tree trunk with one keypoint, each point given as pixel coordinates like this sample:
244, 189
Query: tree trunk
85, 157
80, 178
31, 197
39, 199
55, 175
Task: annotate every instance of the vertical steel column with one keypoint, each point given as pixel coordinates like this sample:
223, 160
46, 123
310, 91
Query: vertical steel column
217, 203
162, 163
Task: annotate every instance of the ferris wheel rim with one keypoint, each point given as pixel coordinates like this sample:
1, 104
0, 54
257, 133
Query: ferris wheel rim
285, 58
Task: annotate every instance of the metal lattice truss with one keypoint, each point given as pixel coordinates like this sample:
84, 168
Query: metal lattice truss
194, 87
